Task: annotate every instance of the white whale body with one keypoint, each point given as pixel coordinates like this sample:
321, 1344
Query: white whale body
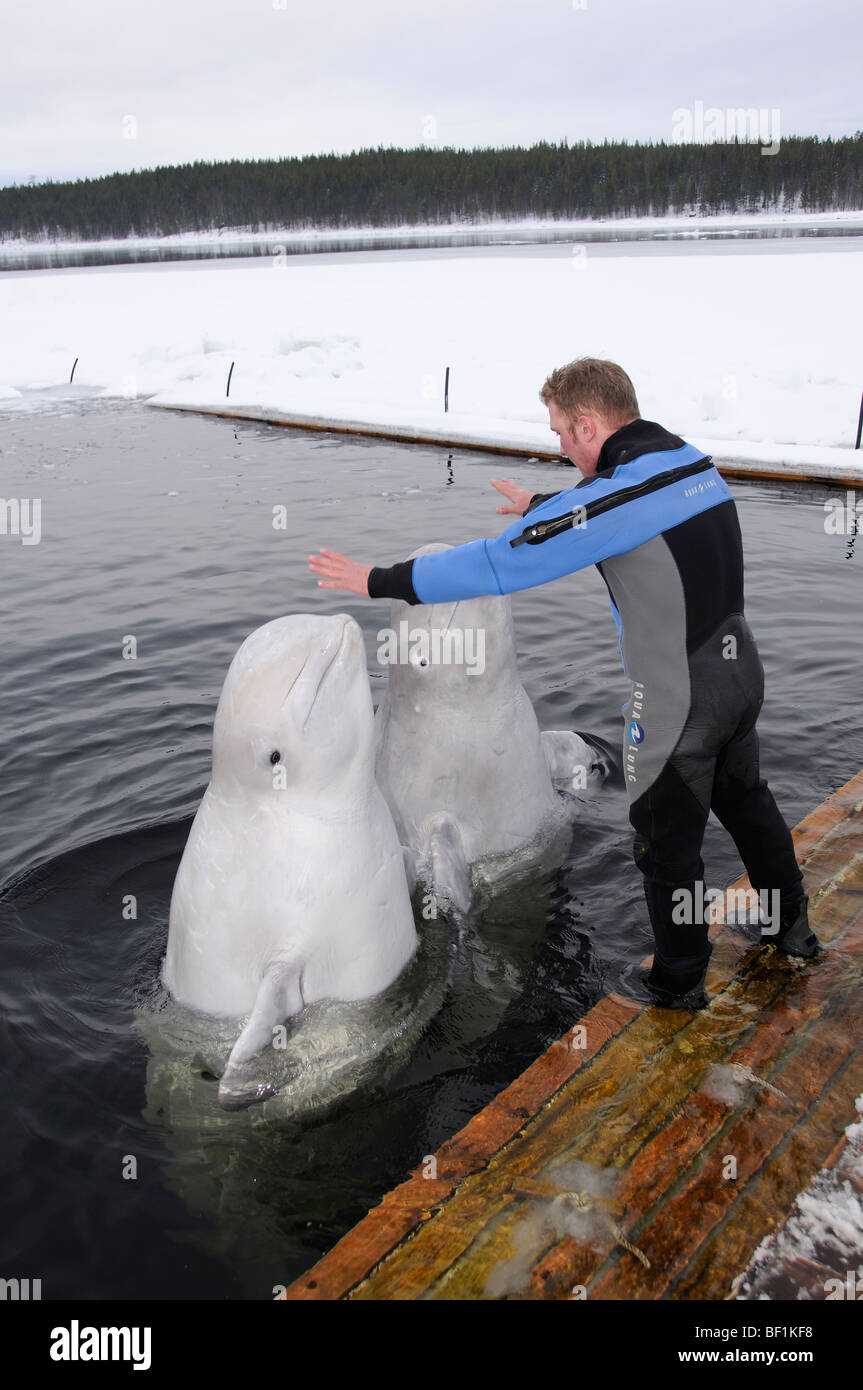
468, 775
292, 887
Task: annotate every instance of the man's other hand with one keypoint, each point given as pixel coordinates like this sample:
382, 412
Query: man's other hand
519, 496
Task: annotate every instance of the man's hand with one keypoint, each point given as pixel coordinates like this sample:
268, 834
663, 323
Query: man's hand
518, 495
341, 573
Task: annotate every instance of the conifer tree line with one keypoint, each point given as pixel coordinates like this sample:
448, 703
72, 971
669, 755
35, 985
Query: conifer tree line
390, 187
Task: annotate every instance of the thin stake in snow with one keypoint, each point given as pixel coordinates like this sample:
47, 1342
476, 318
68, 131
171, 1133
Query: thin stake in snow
859, 424
446, 392
230, 374
75, 363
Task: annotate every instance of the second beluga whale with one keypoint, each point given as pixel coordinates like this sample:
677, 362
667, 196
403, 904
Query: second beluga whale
473, 784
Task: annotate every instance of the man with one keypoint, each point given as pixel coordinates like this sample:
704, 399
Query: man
660, 524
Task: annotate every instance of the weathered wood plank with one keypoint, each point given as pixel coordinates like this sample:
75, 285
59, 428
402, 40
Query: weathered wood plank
622, 1090
684, 1225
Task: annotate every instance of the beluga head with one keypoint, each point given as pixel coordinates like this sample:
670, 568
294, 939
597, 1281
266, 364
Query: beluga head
457, 653
295, 713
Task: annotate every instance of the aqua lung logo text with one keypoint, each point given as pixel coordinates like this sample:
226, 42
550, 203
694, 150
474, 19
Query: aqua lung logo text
635, 732
700, 487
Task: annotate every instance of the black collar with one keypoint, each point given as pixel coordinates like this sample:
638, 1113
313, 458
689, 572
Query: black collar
632, 440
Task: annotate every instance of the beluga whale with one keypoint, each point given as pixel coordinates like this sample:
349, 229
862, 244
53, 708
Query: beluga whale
292, 887
474, 786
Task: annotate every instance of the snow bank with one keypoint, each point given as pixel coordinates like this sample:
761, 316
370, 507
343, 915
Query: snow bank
750, 356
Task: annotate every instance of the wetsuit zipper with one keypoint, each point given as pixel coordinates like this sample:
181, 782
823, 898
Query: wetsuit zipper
544, 530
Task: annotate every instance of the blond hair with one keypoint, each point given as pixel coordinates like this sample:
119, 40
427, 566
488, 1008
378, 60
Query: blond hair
594, 385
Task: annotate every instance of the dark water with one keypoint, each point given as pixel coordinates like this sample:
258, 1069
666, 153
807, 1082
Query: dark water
295, 244
158, 526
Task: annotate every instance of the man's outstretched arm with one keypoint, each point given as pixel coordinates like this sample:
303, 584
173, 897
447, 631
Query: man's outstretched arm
395, 581
473, 570
580, 526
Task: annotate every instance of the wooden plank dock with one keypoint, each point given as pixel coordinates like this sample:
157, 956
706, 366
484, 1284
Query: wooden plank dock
648, 1152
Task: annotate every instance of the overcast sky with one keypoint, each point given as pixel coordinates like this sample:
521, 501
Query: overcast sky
94, 86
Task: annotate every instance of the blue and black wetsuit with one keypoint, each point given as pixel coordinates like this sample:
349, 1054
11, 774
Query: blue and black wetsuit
661, 526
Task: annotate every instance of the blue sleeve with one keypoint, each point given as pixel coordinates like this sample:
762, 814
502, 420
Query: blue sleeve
493, 566
620, 513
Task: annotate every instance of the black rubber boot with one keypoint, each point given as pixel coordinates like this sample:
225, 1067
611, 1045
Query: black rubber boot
663, 989
796, 937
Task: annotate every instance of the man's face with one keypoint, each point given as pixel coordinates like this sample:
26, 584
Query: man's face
576, 440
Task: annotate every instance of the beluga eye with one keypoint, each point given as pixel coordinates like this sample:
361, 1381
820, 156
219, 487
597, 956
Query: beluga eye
275, 756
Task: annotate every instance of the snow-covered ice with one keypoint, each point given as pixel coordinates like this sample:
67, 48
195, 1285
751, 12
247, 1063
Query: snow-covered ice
752, 357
